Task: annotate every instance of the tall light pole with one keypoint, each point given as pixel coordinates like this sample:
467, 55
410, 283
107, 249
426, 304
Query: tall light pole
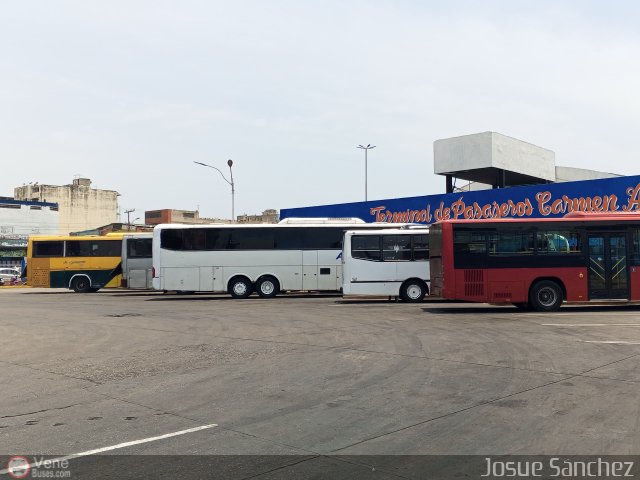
129, 212
230, 182
366, 149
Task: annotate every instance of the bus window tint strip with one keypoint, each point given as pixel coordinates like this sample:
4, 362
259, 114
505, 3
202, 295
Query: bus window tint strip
195, 239
390, 248
511, 247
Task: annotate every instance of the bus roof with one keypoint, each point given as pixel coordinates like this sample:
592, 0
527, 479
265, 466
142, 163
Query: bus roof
570, 217
386, 231
53, 238
322, 220
166, 226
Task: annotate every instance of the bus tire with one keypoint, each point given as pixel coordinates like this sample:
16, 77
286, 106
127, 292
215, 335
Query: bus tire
81, 284
546, 296
413, 291
267, 286
240, 287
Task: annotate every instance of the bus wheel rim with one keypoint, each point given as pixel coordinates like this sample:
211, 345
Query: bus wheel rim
240, 288
547, 296
267, 287
414, 292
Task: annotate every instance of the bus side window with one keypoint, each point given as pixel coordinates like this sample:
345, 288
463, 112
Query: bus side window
421, 247
469, 242
139, 247
48, 249
171, 239
396, 248
560, 242
511, 243
366, 247
635, 247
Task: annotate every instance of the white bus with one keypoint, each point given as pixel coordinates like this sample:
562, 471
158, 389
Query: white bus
294, 255
136, 261
387, 262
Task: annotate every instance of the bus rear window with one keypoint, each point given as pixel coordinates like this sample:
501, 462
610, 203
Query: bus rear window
139, 247
48, 249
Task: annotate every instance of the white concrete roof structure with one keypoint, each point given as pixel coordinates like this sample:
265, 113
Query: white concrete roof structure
497, 160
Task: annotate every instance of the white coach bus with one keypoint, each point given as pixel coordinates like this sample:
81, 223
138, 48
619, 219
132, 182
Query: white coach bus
387, 262
294, 255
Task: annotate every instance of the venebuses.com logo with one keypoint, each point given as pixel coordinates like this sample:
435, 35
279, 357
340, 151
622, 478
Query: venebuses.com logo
19, 466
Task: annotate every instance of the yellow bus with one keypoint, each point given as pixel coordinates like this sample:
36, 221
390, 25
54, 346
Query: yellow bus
82, 264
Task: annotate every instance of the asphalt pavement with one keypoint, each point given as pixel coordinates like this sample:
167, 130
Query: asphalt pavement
300, 381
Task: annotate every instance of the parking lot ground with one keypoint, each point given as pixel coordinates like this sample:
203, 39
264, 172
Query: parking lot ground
304, 378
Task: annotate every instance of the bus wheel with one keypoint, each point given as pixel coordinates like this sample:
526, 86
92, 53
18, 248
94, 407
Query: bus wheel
81, 284
546, 296
267, 287
413, 291
240, 287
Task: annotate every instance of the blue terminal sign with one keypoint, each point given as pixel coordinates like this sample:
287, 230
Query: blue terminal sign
618, 194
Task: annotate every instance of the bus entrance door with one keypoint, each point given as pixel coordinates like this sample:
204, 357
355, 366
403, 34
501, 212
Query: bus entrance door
608, 274
309, 270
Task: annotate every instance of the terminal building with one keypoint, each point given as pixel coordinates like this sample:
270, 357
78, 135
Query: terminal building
80, 206
490, 175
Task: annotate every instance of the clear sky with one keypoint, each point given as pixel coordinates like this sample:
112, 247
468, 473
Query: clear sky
130, 93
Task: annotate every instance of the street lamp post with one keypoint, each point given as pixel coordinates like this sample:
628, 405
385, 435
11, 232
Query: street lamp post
230, 182
366, 149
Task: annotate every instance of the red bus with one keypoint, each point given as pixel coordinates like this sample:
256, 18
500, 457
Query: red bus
537, 263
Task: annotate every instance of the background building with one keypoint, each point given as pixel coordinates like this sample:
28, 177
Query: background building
115, 227
268, 216
80, 207
18, 220
187, 217
192, 217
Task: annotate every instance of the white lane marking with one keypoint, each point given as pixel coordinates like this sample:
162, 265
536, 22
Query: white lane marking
619, 342
116, 447
591, 324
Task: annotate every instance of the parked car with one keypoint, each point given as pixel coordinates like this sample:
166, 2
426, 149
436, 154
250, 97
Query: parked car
9, 274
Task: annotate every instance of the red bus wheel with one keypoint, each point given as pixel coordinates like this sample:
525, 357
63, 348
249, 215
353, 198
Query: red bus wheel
546, 296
